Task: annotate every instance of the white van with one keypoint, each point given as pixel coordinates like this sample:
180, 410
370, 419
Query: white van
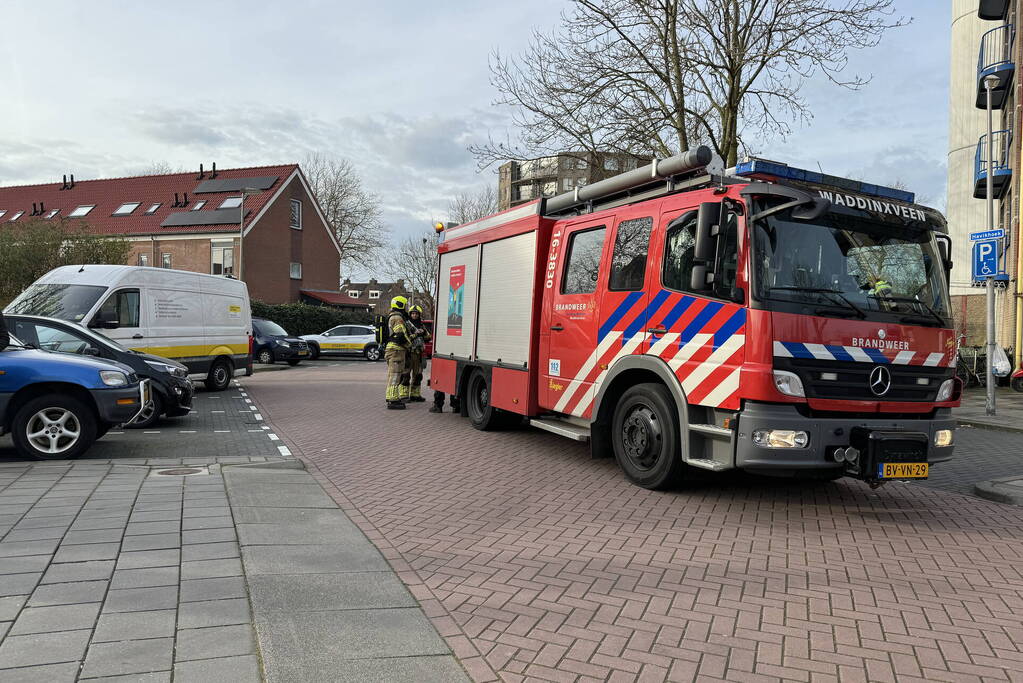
200, 320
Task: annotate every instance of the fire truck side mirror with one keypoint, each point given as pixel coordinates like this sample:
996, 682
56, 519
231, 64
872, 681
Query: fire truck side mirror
708, 218
945, 249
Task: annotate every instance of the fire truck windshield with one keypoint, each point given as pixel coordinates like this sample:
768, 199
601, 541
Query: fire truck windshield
847, 265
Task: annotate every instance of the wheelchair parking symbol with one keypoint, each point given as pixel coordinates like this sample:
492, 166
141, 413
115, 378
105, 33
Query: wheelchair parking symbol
985, 259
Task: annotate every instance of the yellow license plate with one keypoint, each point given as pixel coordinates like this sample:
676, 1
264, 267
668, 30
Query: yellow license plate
902, 470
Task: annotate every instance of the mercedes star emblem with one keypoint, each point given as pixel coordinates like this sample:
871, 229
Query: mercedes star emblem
880, 380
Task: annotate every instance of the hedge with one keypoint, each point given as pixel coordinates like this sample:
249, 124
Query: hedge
299, 319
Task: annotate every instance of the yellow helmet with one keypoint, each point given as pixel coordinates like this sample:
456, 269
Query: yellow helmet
416, 308
399, 302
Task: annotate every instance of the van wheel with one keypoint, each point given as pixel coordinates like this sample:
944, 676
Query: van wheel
314, 351
645, 437
372, 352
266, 357
54, 427
149, 415
219, 377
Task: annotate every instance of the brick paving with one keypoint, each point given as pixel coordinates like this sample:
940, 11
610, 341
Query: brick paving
537, 563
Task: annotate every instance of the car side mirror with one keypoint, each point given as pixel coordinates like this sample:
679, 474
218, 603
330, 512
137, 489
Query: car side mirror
945, 249
101, 322
91, 351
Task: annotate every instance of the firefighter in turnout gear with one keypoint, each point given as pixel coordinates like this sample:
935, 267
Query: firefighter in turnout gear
399, 343
413, 377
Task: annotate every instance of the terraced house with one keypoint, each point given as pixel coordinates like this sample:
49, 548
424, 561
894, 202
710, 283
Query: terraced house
259, 224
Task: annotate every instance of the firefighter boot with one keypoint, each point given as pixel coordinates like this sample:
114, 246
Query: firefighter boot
416, 395
395, 405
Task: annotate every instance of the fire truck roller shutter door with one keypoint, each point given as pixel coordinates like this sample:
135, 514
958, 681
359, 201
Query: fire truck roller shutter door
507, 279
455, 326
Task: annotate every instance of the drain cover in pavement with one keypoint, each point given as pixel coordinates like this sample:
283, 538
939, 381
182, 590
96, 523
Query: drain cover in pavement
180, 471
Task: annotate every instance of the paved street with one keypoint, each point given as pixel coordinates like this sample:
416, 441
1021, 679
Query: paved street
536, 562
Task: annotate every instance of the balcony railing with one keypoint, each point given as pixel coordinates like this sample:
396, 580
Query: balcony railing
995, 59
1001, 168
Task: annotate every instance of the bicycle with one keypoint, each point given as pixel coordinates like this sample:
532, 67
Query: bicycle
972, 368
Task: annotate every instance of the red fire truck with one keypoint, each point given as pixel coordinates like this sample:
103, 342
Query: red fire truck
769, 319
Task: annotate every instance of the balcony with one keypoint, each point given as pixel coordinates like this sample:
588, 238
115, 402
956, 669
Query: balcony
996, 60
1001, 168
993, 9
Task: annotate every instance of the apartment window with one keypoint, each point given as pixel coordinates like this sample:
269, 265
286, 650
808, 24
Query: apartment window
165, 260
296, 271
580, 164
354, 293
152, 208
81, 211
143, 259
52, 213
611, 164
199, 204
374, 294
231, 203
126, 208
550, 188
567, 163
222, 257
296, 214
567, 183
17, 215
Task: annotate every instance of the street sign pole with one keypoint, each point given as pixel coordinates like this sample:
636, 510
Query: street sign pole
989, 407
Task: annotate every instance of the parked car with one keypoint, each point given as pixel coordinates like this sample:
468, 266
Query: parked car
428, 347
55, 405
172, 391
272, 343
345, 340
202, 321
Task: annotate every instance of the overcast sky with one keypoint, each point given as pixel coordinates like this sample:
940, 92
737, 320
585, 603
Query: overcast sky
400, 87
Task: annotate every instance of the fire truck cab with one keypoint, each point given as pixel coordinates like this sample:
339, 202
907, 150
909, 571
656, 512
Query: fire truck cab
769, 319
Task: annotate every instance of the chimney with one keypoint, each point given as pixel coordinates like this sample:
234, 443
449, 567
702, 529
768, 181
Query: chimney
34, 211
184, 202
41, 209
214, 173
72, 181
176, 201
202, 174
63, 185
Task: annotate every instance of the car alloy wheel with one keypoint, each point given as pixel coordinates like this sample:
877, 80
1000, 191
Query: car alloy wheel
53, 430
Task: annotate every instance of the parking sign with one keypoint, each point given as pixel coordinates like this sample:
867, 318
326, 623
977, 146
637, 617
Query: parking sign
985, 259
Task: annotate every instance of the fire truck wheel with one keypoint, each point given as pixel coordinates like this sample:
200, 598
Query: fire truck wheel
483, 416
644, 434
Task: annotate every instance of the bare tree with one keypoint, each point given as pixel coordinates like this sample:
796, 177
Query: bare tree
415, 261
351, 210
471, 206
659, 76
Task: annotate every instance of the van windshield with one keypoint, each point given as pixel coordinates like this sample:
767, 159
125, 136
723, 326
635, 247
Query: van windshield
67, 302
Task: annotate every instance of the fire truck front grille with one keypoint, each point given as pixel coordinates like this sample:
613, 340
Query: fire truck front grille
851, 380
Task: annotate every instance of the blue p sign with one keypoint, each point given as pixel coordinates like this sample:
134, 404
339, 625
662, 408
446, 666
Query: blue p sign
985, 259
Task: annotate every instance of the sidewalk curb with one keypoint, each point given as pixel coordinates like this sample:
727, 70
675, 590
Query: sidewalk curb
1001, 490
983, 424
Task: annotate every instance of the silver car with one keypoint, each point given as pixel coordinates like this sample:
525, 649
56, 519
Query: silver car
345, 340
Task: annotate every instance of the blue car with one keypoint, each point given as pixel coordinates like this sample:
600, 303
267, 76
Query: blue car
55, 405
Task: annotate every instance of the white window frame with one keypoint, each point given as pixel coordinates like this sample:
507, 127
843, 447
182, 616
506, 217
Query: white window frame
567, 183
165, 259
126, 209
144, 260
355, 293
53, 212
291, 219
16, 216
222, 246
153, 208
236, 203
374, 294
292, 270
198, 205
81, 211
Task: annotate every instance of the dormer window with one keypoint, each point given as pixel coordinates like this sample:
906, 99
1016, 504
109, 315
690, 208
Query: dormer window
354, 293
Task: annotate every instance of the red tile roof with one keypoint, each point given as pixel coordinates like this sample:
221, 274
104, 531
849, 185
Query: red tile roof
110, 193
335, 298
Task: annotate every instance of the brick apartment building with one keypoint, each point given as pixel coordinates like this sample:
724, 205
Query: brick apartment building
522, 181
190, 221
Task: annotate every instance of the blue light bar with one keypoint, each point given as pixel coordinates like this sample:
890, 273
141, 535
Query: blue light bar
762, 167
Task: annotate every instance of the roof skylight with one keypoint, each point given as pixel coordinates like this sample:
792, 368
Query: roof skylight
16, 216
126, 208
199, 204
231, 203
153, 207
82, 210
52, 213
